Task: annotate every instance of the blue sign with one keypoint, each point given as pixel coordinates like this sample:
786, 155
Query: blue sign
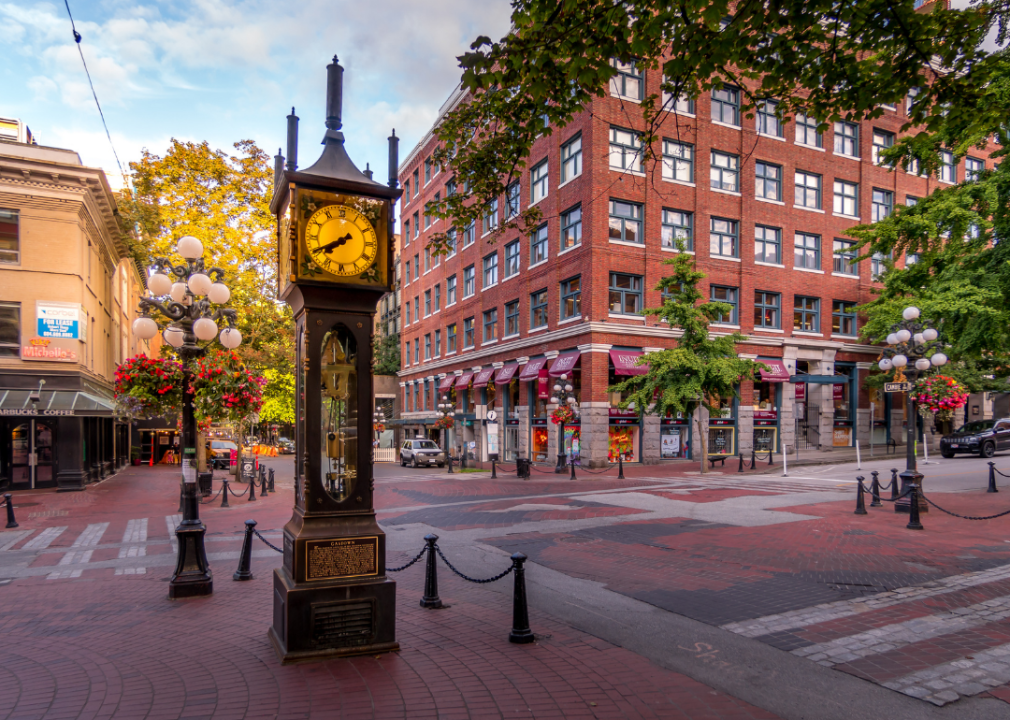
56, 320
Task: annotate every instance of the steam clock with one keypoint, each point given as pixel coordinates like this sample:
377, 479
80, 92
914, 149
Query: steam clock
334, 232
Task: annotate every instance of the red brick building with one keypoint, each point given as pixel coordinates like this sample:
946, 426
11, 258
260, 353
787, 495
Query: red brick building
762, 205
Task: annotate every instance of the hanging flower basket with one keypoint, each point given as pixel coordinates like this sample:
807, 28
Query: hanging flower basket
378, 427
446, 422
148, 387
224, 389
940, 395
562, 415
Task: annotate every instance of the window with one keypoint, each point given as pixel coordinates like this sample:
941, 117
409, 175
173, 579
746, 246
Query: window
538, 245
417, 397
722, 238
417, 225
877, 265
427, 170
417, 350
726, 295
406, 191
427, 217
625, 150
846, 198
468, 332
512, 318
571, 298
406, 231
677, 104
766, 309
768, 181
806, 131
417, 183
450, 339
450, 188
678, 161
427, 303
450, 243
10, 330
438, 297
512, 200
538, 309
843, 257
948, 168
491, 270
450, 290
678, 225
512, 259
767, 245
470, 234
843, 317
406, 354
625, 294
427, 346
491, 217
417, 266
427, 261
883, 204
726, 105
847, 139
571, 159
808, 251
469, 285
913, 93
490, 325
627, 83
881, 141
407, 273
767, 122
806, 314
438, 343
571, 228
626, 222
725, 171
538, 183
973, 167
807, 190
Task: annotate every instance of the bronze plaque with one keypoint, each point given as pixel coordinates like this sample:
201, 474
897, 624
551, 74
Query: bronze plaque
341, 558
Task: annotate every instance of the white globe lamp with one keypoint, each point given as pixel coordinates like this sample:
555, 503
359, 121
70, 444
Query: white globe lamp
145, 328
230, 338
899, 361
919, 338
910, 313
922, 364
930, 334
178, 292
189, 247
159, 284
200, 284
903, 335
553, 401
219, 293
173, 336
892, 339
885, 364
205, 329
938, 359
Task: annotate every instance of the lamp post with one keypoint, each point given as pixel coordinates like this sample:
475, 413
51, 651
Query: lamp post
447, 410
192, 293
563, 393
914, 348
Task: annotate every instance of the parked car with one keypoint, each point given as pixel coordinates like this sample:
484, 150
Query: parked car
419, 452
979, 437
219, 454
285, 447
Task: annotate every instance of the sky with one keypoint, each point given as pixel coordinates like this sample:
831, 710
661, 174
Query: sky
230, 70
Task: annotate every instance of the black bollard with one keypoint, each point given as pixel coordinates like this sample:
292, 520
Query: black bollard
572, 465
430, 598
224, 493
894, 484
771, 456
244, 571
740, 469
913, 508
448, 461
875, 490
11, 522
272, 488
860, 503
462, 459
252, 487
753, 459
521, 632
494, 469
620, 468
992, 478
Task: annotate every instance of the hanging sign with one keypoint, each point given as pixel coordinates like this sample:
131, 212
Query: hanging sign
58, 320
897, 387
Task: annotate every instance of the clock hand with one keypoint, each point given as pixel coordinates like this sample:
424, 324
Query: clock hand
333, 245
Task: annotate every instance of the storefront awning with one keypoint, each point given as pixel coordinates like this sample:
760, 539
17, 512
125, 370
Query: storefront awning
625, 362
819, 379
483, 376
531, 370
505, 375
778, 372
447, 383
54, 403
464, 380
564, 363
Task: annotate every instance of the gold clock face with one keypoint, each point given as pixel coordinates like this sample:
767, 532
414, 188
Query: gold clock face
341, 240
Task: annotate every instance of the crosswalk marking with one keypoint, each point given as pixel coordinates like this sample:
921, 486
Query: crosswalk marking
136, 532
44, 539
90, 537
10, 538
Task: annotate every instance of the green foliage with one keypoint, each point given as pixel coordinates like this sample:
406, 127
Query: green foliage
278, 397
829, 59
386, 354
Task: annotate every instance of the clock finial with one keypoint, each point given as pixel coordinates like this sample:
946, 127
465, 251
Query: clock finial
334, 94
292, 141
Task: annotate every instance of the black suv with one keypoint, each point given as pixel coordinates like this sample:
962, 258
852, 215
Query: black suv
981, 437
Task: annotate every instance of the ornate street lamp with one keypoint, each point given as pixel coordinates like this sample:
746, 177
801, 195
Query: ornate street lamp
447, 410
563, 394
913, 348
192, 293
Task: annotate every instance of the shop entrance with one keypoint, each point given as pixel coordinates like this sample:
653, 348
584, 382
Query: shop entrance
32, 461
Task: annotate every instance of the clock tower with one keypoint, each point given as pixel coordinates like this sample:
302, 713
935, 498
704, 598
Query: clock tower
334, 237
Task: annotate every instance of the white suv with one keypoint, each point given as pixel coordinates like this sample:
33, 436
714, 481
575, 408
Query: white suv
421, 452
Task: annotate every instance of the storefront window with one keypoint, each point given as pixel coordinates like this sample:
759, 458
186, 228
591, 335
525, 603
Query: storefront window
766, 416
490, 393
623, 443
512, 398
722, 427
539, 444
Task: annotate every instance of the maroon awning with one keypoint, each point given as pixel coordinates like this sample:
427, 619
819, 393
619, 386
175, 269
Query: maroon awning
505, 375
564, 363
447, 382
483, 376
531, 370
464, 380
778, 371
624, 362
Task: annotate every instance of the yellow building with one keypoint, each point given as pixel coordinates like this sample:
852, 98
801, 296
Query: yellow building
68, 296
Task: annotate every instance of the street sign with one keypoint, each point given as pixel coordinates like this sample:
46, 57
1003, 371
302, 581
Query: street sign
492, 416
897, 387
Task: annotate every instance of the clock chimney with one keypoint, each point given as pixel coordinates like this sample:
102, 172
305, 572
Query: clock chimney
334, 93
394, 159
292, 140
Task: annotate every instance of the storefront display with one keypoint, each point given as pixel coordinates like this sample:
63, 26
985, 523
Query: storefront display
721, 440
674, 438
538, 444
623, 443
572, 443
841, 394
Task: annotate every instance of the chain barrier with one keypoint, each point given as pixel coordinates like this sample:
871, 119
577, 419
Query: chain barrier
207, 502
608, 468
545, 472
963, 517
904, 494
269, 544
470, 579
996, 470
236, 494
416, 558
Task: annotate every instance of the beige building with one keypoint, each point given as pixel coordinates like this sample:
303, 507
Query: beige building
68, 296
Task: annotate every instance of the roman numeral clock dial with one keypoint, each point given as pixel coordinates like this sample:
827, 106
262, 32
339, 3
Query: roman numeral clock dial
341, 240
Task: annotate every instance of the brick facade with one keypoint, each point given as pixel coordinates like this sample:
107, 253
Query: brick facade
821, 417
